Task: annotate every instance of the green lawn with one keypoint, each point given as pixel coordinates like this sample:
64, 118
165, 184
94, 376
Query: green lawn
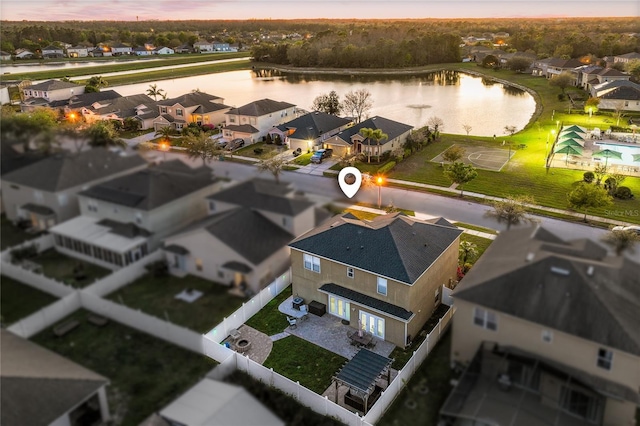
268, 150
362, 215
156, 296
482, 243
134, 134
145, 373
10, 235
269, 320
303, 159
60, 267
434, 373
18, 300
305, 362
475, 228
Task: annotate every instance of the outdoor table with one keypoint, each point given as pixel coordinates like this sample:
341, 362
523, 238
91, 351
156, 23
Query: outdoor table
363, 340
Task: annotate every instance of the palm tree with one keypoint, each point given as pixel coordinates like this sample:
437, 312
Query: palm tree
621, 240
375, 135
155, 92
201, 146
467, 251
165, 132
97, 81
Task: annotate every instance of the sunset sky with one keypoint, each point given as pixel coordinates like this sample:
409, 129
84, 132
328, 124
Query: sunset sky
129, 10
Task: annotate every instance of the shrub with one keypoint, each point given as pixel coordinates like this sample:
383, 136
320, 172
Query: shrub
610, 184
258, 151
620, 129
561, 96
588, 177
623, 193
387, 167
21, 253
268, 139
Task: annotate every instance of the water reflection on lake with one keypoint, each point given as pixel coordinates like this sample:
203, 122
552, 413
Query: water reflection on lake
457, 98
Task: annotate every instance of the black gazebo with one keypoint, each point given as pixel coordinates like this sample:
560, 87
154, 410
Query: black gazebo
360, 374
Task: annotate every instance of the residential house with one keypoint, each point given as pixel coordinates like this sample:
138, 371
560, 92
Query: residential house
45, 192
587, 76
140, 107
350, 141
24, 54
252, 121
5, 56
558, 66
626, 98
100, 51
203, 46
78, 51
626, 58
42, 388
548, 330
226, 405
124, 219
309, 130
119, 49
163, 50
384, 275
184, 48
52, 51
243, 241
142, 51
76, 103
600, 89
13, 157
194, 107
51, 90
222, 47
539, 67
504, 57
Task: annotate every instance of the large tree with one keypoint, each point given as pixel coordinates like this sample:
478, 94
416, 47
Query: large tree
621, 240
460, 174
201, 146
561, 81
358, 103
376, 135
274, 165
518, 64
585, 197
103, 133
328, 103
453, 154
512, 210
154, 92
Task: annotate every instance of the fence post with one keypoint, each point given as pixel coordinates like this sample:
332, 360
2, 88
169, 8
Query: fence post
298, 391
439, 325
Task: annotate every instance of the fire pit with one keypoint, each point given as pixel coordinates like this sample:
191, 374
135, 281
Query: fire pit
242, 345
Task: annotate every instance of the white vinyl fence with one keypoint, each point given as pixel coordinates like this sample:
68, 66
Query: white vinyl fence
36, 280
43, 242
45, 317
121, 277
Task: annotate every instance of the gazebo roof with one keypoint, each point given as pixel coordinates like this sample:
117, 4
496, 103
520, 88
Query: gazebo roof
361, 372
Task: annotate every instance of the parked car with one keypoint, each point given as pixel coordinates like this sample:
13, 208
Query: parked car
222, 144
235, 144
633, 228
321, 154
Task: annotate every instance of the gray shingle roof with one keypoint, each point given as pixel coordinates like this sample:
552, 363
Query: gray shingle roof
152, 187
124, 106
192, 99
623, 93
392, 128
242, 128
177, 249
86, 99
260, 108
53, 85
63, 171
262, 194
568, 288
363, 299
408, 246
313, 125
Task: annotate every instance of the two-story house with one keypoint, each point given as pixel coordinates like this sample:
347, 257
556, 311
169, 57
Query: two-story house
194, 107
253, 120
78, 51
52, 52
45, 192
557, 66
243, 241
121, 49
626, 98
309, 130
126, 218
49, 91
141, 107
384, 275
548, 332
76, 103
350, 141
203, 46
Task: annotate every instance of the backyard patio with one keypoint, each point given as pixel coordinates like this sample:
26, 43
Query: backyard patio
69, 270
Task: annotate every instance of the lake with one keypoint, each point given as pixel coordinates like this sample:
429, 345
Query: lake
456, 98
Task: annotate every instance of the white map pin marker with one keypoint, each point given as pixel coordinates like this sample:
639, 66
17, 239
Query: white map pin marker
350, 189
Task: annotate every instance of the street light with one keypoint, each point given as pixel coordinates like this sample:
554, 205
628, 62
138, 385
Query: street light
379, 181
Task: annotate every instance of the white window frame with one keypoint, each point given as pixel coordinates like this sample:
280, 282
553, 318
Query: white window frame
372, 324
350, 272
547, 336
335, 302
485, 319
311, 263
381, 283
606, 359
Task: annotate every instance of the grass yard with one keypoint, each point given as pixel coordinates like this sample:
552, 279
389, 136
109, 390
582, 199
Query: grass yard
481, 243
156, 296
362, 215
134, 134
18, 300
475, 228
269, 319
60, 267
145, 373
305, 362
435, 374
268, 150
10, 235
303, 159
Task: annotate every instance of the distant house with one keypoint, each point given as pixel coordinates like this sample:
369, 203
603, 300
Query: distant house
78, 51
42, 388
52, 52
252, 121
163, 50
587, 76
350, 141
626, 98
202, 46
24, 54
597, 90
504, 58
539, 67
123, 219
551, 326
194, 107
5, 56
557, 66
384, 276
100, 51
142, 51
185, 48
140, 107
77, 102
627, 57
46, 192
223, 47
243, 241
52, 90
121, 49
309, 130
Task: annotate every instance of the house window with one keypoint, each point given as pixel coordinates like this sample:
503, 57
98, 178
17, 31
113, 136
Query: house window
605, 358
437, 295
92, 206
37, 195
15, 187
547, 336
232, 119
63, 199
199, 264
372, 324
581, 404
339, 307
382, 286
485, 319
179, 112
220, 274
311, 263
163, 110
350, 272
212, 206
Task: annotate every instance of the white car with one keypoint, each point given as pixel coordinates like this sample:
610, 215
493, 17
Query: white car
633, 228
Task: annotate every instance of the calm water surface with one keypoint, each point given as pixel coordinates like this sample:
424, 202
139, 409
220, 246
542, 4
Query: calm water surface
457, 98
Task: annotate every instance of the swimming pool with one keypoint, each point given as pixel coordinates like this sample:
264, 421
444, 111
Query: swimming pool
627, 152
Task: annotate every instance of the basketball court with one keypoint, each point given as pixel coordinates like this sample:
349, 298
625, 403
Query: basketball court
482, 157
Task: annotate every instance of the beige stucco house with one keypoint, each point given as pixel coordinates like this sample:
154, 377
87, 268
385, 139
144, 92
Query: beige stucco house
309, 131
548, 332
384, 276
195, 107
252, 121
48, 91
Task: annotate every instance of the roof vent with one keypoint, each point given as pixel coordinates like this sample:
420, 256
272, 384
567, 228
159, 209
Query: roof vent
590, 270
560, 271
361, 247
530, 257
347, 247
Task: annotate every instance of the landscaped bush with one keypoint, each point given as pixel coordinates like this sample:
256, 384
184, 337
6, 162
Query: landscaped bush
561, 96
623, 193
268, 139
588, 177
27, 252
387, 167
258, 151
620, 129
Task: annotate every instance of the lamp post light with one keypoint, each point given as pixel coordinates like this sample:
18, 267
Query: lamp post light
590, 113
379, 181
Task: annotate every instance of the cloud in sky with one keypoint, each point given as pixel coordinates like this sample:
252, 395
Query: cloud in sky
129, 10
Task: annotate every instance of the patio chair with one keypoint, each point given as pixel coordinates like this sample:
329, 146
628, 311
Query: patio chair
305, 311
292, 322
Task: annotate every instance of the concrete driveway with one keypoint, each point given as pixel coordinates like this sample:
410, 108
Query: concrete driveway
317, 169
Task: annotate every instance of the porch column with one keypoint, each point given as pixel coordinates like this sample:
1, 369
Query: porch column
104, 404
